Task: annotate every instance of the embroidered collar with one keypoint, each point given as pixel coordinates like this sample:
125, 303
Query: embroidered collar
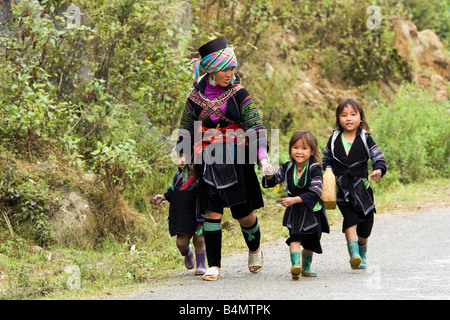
209, 107
198, 96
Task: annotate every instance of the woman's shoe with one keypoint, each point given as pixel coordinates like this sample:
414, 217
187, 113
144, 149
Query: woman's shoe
211, 274
255, 261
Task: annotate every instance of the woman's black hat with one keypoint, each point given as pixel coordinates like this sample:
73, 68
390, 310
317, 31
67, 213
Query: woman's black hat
213, 46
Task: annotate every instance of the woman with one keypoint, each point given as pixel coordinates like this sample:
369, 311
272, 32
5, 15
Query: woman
223, 130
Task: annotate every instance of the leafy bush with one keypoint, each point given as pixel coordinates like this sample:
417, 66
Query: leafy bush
413, 131
118, 165
432, 14
346, 47
30, 111
368, 55
243, 22
23, 199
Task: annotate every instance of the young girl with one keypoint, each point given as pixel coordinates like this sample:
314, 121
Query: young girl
185, 220
305, 215
347, 153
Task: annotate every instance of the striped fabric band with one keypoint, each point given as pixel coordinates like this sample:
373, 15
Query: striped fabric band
376, 154
316, 185
216, 61
212, 226
251, 231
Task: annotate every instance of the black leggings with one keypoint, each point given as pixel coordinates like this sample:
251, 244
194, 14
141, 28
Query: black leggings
213, 239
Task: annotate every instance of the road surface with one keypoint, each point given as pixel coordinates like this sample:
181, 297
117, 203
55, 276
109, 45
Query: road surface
408, 259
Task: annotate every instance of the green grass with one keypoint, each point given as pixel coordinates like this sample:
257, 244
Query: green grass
415, 196
29, 272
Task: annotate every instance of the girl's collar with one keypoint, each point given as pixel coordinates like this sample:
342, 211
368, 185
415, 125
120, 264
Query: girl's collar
303, 168
358, 131
310, 162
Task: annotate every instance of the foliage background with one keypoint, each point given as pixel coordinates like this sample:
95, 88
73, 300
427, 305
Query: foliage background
104, 98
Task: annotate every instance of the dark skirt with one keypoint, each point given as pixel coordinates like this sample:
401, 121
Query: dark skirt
304, 226
353, 217
309, 241
183, 212
242, 198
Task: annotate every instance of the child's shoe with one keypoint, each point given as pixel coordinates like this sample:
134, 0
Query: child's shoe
200, 258
362, 253
306, 264
189, 258
296, 269
353, 250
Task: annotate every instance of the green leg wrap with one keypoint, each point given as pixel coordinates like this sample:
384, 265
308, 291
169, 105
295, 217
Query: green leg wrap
252, 236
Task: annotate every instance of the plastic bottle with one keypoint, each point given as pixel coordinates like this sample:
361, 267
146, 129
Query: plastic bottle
329, 189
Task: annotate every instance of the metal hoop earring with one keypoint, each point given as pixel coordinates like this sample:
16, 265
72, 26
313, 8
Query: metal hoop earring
212, 80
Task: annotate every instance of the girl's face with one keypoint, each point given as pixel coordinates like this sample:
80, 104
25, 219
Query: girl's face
349, 119
224, 77
301, 152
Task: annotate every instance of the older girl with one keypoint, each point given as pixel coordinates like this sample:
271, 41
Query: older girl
347, 153
305, 215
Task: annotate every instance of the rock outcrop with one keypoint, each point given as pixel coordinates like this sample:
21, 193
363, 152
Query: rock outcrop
425, 55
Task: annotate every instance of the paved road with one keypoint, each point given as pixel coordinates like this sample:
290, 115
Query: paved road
408, 257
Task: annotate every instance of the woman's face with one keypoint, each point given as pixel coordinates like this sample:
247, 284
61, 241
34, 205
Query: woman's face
224, 77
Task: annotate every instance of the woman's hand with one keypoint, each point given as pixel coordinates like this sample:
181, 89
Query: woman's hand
267, 171
289, 201
376, 175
